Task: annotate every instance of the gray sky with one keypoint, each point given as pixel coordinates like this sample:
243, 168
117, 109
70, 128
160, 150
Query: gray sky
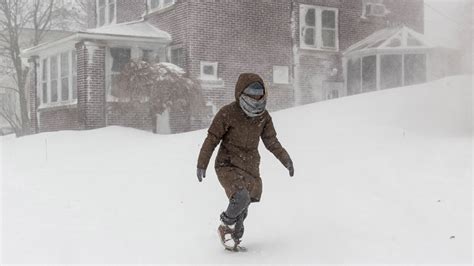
448, 22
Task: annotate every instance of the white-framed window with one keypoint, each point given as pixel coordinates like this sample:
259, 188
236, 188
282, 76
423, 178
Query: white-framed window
177, 57
159, 4
373, 8
58, 78
319, 28
280, 74
106, 12
208, 70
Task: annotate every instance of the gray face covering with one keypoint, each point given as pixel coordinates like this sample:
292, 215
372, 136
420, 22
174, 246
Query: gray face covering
252, 107
249, 105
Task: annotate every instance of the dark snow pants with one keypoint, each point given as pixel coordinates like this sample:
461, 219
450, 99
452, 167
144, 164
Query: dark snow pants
237, 212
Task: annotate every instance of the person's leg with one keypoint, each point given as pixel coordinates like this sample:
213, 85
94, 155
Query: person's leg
238, 204
239, 225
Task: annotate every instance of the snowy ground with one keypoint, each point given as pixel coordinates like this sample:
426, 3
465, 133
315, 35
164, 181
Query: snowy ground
384, 177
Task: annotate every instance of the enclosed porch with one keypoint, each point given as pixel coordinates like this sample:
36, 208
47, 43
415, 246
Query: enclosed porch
389, 58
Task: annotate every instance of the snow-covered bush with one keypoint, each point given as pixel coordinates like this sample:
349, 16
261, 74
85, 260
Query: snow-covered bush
163, 86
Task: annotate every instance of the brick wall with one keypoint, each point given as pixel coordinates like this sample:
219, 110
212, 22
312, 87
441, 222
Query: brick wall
130, 10
127, 10
242, 36
59, 118
91, 84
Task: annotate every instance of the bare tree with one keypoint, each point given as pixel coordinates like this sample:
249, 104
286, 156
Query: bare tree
40, 16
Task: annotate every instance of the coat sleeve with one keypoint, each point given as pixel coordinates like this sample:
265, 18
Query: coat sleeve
270, 140
214, 135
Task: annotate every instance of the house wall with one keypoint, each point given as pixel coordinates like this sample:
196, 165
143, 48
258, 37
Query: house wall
91, 84
59, 118
130, 10
314, 69
242, 36
252, 36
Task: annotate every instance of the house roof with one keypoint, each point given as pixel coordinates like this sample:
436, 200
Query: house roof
389, 39
141, 29
130, 32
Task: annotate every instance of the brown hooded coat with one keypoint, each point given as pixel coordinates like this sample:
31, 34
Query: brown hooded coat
237, 162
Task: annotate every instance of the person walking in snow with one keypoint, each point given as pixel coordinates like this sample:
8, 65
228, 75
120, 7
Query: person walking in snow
240, 125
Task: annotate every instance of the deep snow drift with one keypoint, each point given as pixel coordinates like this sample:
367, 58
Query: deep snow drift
383, 177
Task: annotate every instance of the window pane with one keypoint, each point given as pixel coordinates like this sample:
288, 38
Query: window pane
415, 69
353, 76
177, 57
45, 92
309, 36
45, 69
329, 19
54, 67
101, 15
208, 70
111, 12
396, 42
167, 2
390, 71
65, 89
120, 57
412, 41
310, 17
101, 2
154, 3
54, 90
329, 38
368, 73
64, 64
147, 55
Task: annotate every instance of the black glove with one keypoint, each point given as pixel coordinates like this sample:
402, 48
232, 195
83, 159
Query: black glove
201, 173
290, 168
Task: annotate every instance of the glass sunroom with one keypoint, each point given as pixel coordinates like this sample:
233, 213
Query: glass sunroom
389, 58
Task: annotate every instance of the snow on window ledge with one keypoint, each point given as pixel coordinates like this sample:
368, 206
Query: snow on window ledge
211, 82
332, 50
58, 105
114, 99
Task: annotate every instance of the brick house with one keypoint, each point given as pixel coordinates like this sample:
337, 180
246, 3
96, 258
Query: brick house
296, 46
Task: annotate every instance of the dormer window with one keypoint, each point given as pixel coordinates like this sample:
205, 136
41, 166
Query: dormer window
373, 8
155, 5
106, 12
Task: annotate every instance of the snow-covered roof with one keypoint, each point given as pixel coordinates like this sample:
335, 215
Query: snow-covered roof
132, 29
389, 39
130, 32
